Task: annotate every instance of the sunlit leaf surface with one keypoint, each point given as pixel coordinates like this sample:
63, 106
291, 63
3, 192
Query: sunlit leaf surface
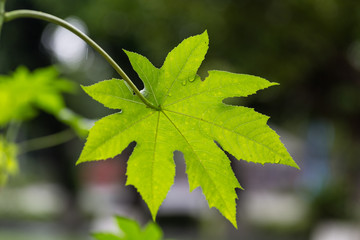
191, 117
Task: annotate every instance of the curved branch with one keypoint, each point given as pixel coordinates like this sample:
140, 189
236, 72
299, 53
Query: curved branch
46, 141
12, 15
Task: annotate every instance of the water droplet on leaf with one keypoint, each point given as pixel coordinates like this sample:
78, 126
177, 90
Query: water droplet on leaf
191, 79
184, 82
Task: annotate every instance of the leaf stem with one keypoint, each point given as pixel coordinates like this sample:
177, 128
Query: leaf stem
12, 15
12, 131
46, 142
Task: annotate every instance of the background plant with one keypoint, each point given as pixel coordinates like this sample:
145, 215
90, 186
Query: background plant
22, 96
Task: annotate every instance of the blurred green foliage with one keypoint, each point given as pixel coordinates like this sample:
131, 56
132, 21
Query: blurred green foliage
23, 93
8, 161
131, 230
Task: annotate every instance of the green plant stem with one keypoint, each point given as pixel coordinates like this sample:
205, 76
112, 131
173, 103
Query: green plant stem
12, 131
12, 15
46, 142
2, 13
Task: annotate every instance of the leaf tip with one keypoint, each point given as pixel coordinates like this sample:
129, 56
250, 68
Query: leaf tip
82, 158
154, 208
85, 89
274, 84
153, 217
233, 221
130, 54
235, 225
153, 211
289, 162
126, 51
206, 36
295, 165
79, 161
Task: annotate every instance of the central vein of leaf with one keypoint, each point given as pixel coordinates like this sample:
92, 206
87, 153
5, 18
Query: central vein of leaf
205, 170
153, 160
230, 130
180, 70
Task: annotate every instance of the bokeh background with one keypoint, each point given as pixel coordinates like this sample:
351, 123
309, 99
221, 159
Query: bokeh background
310, 47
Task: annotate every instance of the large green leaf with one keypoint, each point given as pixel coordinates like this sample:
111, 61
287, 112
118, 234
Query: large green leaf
191, 118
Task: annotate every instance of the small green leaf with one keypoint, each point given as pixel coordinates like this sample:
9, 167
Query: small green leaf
106, 236
152, 232
130, 230
191, 117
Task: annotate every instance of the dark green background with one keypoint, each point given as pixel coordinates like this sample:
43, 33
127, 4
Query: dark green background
310, 47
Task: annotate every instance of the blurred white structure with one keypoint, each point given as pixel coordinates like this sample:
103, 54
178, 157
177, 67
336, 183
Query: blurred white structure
336, 231
40, 199
274, 208
66, 47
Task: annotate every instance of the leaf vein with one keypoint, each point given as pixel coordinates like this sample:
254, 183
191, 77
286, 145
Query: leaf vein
118, 133
180, 70
195, 152
153, 160
230, 130
199, 93
146, 77
121, 98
